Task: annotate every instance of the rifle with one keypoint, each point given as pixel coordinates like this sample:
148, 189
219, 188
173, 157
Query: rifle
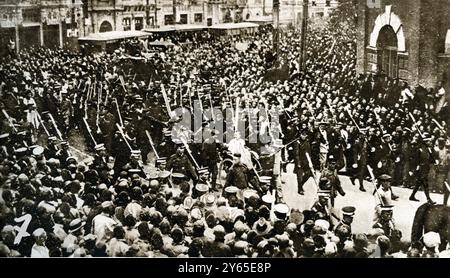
118, 111
42, 124
373, 182
151, 144
89, 131
421, 135
55, 126
123, 136
311, 167
9, 120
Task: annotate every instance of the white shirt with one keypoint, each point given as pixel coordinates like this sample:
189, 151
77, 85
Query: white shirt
102, 226
39, 251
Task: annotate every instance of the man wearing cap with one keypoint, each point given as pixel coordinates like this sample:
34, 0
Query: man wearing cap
384, 219
360, 158
63, 153
330, 174
51, 149
442, 182
100, 162
320, 207
210, 158
121, 153
301, 166
180, 163
322, 140
347, 218
425, 157
238, 174
134, 166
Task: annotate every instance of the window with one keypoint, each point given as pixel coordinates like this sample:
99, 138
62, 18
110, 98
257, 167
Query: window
327, 3
138, 23
183, 19
198, 18
168, 19
31, 15
402, 62
126, 22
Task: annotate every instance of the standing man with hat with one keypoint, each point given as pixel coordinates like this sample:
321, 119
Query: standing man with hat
330, 174
347, 218
180, 163
320, 207
301, 168
443, 168
360, 159
323, 143
238, 174
51, 149
424, 160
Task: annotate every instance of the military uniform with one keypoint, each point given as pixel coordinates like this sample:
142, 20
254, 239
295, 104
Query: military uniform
181, 164
238, 176
301, 167
424, 161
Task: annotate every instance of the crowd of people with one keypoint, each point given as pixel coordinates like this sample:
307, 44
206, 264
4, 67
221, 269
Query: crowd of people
108, 199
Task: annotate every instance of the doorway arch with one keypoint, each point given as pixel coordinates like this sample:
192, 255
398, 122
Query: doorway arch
105, 27
387, 45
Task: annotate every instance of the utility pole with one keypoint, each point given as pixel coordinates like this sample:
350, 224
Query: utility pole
276, 25
304, 33
174, 10
17, 29
155, 23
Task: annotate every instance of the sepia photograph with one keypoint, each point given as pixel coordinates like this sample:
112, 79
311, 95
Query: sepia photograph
248, 129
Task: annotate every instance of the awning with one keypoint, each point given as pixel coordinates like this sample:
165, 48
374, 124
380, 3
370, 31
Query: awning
114, 35
230, 26
161, 43
162, 29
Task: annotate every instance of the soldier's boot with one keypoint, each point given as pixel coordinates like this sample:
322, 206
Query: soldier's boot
427, 194
340, 190
413, 194
361, 188
352, 179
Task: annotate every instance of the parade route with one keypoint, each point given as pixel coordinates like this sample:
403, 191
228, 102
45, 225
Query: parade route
364, 202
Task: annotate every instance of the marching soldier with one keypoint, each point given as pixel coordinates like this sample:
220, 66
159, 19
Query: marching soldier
63, 153
329, 175
134, 166
238, 174
100, 162
301, 166
210, 158
121, 152
384, 219
320, 207
424, 161
180, 163
51, 149
347, 218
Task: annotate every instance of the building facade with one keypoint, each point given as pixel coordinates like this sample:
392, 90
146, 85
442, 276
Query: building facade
405, 39
51, 23
321, 8
58, 23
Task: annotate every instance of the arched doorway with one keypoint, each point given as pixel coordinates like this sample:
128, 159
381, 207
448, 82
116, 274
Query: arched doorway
105, 27
387, 46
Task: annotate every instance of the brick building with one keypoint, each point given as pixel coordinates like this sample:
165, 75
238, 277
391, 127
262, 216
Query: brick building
405, 39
